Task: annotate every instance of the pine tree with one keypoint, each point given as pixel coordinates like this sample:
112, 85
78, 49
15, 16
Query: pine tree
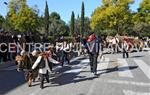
72, 24
46, 18
82, 20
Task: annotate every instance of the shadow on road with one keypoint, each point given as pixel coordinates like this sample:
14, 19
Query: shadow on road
67, 78
115, 69
10, 80
62, 78
109, 70
137, 56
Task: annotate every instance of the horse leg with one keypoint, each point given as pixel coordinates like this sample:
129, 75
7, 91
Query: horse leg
26, 75
30, 80
35, 75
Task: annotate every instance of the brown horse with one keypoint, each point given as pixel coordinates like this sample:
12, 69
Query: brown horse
134, 43
25, 64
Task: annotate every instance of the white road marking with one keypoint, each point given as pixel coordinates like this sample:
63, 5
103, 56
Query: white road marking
76, 58
119, 82
124, 82
83, 63
103, 65
78, 68
129, 92
146, 49
144, 67
123, 68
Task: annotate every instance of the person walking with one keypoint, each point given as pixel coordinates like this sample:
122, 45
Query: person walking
125, 47
64, 53
93, 48
42, 63
115, 41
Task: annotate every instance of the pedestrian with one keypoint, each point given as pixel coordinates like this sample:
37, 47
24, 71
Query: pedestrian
10, 40
43, 64
15, 41
115, 41
64, 53
93, 51
125, 47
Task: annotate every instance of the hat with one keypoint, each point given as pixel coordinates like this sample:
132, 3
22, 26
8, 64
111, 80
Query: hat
34, 52
91, 38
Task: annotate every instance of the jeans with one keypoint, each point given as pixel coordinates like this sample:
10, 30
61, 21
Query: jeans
42, 78
125, 53
93, 62
64, 57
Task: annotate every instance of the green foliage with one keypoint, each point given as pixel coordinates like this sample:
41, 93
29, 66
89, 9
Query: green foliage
143, 14
87, 26
21, 17
141, 19
82, 20
142, 29
106, 32
68, 39
51, 38
72, 25
41, 25
112, 17
46, 19
55, 15
2, 21
57, 26
77, 26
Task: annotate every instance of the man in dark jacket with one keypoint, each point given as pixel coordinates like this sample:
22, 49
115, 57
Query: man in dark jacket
93, 48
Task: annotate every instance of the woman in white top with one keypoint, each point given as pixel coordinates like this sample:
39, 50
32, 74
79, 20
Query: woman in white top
43, 64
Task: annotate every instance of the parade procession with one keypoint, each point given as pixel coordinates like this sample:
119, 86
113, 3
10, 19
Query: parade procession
101, 48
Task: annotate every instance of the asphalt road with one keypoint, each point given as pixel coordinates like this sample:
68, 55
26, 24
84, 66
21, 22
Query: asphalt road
116, 76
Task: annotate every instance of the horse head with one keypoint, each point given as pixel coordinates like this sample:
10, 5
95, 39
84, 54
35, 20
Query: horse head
19, 62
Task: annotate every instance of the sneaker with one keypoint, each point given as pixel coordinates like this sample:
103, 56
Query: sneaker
41, 87
95, 73
48, 81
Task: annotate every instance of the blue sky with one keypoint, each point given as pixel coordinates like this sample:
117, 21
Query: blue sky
64, 7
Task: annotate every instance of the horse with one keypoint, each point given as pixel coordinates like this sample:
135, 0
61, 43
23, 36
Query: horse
23, 63
133, 42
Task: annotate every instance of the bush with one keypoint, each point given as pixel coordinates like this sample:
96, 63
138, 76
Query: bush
68, 38
51, 39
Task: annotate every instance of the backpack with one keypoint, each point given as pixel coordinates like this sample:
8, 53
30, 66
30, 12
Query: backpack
42, 64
